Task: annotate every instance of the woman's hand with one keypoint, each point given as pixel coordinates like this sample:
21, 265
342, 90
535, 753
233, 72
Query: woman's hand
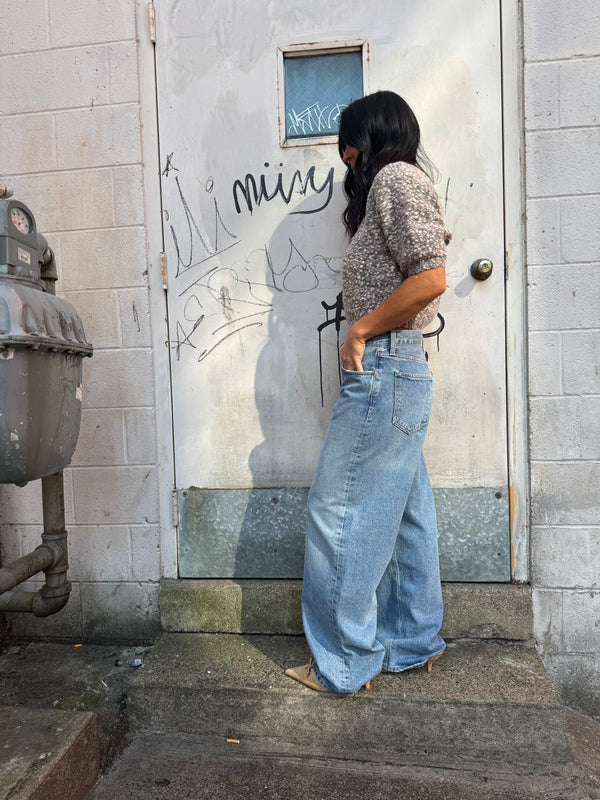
353, 351
412, 296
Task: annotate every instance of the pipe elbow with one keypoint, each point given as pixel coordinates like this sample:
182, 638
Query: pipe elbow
45, 604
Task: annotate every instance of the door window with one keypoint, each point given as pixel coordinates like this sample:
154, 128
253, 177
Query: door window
318, 85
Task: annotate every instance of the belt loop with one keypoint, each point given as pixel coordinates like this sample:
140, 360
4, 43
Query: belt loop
393, 336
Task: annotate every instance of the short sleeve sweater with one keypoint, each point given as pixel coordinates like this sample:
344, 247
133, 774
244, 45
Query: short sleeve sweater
402, 233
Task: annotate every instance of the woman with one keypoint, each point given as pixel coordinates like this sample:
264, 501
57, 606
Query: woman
372, 597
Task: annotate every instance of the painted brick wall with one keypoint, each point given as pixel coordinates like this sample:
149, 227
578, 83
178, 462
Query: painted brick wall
562, 110
71, 150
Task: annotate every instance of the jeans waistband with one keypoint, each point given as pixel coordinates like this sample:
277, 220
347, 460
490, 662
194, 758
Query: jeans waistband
393, 339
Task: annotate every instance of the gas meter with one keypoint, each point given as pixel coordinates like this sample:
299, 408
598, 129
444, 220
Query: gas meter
42, 344
18, 239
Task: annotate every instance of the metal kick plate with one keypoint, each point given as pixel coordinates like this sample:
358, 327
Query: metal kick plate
259, 533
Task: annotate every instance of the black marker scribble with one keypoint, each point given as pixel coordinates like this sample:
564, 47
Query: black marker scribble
336, 320
254, 194
295, 273
219, 293
436, 333
206, 353
222, 299
136, 317
199, 248
169, 166
183, 338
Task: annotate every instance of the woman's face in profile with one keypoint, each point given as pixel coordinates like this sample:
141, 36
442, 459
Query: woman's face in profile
350, 155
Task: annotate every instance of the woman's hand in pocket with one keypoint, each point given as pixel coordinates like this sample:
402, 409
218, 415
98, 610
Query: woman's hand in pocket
353, 351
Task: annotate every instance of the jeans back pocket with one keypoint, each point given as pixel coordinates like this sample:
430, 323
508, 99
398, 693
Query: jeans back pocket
413, 396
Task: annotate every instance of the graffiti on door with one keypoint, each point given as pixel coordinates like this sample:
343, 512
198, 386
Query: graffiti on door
224, 290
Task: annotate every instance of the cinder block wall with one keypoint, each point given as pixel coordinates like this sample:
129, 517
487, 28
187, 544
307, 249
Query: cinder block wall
562, 107
71, 150
70, 134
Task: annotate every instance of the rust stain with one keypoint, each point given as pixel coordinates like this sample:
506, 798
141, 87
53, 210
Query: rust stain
328, 45
163, 269
278, 105
512, 498
508, 260
511, 511
514, 438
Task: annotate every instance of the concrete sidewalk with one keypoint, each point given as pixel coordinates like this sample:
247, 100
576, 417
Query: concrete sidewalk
79, 707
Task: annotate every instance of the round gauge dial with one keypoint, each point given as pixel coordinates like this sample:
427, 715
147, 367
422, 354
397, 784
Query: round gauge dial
21, 220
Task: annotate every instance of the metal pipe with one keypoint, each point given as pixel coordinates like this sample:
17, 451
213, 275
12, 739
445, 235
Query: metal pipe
24, 568
53, 504
51, 557
18, 600
33, 602
47, 261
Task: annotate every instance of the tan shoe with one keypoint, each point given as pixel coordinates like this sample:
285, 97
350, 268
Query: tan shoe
431, 661
306, 676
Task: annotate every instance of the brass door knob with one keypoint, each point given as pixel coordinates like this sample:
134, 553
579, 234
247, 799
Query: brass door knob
482, 269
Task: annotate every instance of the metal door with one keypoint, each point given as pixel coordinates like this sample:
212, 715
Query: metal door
254, 244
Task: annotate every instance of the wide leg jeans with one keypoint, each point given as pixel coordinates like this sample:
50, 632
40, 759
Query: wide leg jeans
372, 595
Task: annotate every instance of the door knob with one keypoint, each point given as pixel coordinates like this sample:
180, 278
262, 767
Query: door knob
482, 269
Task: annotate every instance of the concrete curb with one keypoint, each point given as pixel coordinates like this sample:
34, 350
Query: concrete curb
62, 718
68, 770
472, 610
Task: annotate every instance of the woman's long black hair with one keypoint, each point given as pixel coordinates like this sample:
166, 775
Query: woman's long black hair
384, 129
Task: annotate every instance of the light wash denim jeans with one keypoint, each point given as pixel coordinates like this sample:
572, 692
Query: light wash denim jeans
372, 595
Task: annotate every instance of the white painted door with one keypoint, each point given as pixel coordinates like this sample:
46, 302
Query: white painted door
254, 244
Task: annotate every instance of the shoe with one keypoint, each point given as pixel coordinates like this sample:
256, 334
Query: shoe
428, 665
306, 676
431, 661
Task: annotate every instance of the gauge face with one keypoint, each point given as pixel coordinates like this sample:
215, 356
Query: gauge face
20, 220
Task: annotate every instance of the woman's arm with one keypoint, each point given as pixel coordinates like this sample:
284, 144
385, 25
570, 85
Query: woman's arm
412, 296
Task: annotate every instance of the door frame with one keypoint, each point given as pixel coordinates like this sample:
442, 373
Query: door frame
515, 285
513, 135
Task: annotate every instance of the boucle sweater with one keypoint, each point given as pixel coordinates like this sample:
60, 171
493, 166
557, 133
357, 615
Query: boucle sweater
402, 233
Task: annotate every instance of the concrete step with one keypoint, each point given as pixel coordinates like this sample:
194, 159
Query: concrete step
172, 766
49, 753
62, 717
472, 610
486, 702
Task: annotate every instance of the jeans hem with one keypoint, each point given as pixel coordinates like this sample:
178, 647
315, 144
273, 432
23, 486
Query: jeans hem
325, 683
330, 687
414, 666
